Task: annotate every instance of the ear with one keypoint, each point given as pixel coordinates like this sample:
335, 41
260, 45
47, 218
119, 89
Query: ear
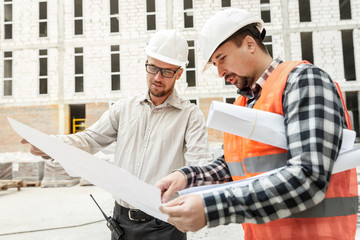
250, 43
179, 73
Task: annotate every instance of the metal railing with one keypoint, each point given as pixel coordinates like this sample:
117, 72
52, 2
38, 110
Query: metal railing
79, 125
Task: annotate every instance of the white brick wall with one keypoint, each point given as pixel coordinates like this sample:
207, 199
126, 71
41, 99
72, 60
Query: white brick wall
97, 39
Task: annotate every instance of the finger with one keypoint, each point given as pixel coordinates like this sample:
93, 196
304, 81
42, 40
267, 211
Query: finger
163, 188
166, 195
34, 153
160, 184
34, 150
23, 141
175, 202
174, 211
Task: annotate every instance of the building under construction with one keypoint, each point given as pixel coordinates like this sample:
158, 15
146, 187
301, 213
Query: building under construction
64, 62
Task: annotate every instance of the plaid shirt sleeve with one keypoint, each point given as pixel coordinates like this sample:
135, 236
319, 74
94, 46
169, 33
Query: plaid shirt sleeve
213, 173
314, 118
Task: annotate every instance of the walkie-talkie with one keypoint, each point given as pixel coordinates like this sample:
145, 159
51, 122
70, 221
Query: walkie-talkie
111, 223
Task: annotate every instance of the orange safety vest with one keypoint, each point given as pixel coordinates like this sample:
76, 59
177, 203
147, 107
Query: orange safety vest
334, 218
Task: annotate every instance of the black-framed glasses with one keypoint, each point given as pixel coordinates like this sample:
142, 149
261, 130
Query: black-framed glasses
167, 73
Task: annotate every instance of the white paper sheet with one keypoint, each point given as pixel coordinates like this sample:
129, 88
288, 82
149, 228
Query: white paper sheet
109, 177
261, 126
347, 159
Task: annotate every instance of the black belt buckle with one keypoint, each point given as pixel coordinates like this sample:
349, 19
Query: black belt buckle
137, 215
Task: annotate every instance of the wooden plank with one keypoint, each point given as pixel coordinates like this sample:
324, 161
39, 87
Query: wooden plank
63, 183
31, 183
12, 183
3, 187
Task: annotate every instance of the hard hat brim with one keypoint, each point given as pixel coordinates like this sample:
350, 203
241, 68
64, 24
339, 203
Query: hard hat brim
166, 59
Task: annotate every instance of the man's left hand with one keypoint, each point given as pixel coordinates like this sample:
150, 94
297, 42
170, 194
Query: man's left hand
186, 213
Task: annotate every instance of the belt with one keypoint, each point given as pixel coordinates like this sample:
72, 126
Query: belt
133, 214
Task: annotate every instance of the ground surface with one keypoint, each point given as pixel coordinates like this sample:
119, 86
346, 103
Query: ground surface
69, 213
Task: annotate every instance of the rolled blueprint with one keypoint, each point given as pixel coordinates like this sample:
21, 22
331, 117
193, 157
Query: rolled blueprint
257, 125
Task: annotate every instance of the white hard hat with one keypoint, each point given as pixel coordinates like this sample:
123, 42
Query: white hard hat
221, 26
168, 46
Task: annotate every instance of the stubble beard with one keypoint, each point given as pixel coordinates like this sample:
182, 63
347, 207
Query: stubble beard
241, 81
160, 93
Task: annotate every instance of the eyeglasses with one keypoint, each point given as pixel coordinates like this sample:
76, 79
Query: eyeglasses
167, 73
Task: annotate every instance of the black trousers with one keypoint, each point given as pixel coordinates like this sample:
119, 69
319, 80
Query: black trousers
153, 229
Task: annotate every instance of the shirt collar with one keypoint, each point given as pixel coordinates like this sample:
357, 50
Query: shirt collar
172, 100
247, 92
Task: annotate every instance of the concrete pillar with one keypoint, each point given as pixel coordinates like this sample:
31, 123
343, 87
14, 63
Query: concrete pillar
169, 14
61, 49
285, 29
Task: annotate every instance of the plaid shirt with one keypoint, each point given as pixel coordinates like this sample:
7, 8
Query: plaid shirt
314, 118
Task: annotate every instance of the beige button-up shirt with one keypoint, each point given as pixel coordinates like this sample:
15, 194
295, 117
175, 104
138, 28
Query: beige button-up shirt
151, 141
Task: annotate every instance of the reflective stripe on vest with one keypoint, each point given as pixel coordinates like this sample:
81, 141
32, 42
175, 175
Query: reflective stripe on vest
334, 207
236, 168
258, 164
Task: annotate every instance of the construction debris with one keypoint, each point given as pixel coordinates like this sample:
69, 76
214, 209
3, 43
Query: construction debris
22, 169
56, 176
6, 170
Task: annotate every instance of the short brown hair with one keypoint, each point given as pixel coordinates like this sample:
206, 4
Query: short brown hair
251, 30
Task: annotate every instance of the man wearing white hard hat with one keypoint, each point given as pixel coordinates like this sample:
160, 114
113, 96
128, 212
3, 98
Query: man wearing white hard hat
154, 133
301, 201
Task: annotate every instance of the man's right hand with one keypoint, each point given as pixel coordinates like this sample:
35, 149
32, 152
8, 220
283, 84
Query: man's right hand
34, 150
170, 184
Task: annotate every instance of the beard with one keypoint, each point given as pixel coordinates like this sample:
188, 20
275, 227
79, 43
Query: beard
157, 93
239, 81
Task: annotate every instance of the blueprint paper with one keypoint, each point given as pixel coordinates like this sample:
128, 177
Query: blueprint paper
109, 177
258, 125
